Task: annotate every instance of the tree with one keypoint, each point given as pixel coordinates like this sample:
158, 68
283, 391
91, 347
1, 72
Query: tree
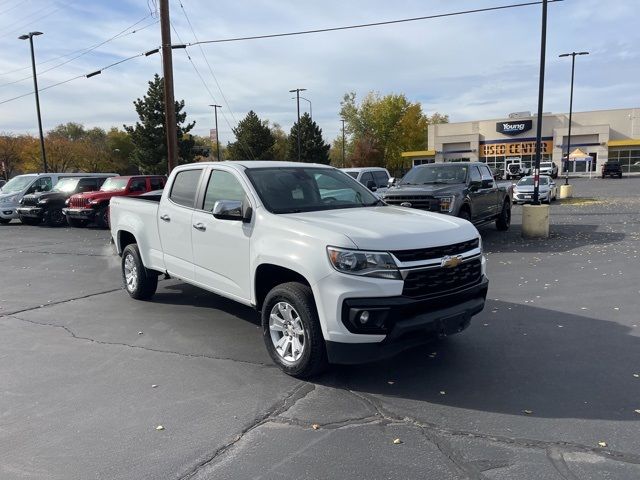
120, 146
281, 142
382, 127
149, 134
11, 158
313, 148
254, 140
335, 153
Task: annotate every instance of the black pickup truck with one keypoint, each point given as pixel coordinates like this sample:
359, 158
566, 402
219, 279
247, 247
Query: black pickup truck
612, 169
463, 189
46, 207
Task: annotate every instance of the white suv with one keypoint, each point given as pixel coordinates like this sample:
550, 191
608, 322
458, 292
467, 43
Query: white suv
375, 179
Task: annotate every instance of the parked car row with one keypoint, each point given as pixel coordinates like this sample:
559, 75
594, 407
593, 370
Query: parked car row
76, 199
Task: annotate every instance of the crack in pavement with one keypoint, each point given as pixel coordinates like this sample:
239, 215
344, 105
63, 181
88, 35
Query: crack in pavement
556, 458
139, 347
297, 393
59, 302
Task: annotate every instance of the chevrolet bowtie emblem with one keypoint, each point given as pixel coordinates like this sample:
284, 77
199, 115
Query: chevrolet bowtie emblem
451, 262
405, 204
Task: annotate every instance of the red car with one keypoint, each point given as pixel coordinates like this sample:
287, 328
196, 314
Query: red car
88, 207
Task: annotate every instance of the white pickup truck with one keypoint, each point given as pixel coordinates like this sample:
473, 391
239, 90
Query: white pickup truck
338, 275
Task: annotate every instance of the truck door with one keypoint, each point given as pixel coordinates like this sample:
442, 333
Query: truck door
490, 191
221, 247
175, 223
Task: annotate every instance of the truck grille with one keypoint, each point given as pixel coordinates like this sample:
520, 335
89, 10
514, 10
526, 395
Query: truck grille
442, 280
29, 201
78, 202
420, 202
435, 252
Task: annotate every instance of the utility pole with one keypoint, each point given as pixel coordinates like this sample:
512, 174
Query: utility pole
343, 159
573, 66
543, 45
297, 91
169, 102
43, 153
215, 109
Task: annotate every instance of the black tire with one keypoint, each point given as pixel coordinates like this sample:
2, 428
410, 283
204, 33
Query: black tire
619, 175
313, 359
30, 221
145, 281
76, 222
465, 214
102, 217
4, 221
54, 217
503, 222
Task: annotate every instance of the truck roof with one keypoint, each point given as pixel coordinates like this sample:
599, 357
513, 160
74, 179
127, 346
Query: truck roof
249, 164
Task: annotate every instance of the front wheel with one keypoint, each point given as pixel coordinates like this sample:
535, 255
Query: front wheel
291, 330
102, 217
139, 282
54, 217
465, 215
503, 222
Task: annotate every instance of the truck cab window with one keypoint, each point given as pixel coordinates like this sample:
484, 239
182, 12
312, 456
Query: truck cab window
222, 186
183, 190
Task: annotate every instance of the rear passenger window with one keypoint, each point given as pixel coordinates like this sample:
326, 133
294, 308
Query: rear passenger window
183, 190
366, 177
381, 178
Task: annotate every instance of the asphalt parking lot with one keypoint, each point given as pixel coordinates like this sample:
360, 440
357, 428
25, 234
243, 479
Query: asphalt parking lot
544, 384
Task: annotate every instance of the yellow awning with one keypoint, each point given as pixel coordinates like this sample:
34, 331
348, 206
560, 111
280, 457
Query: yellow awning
419, 153
631, 142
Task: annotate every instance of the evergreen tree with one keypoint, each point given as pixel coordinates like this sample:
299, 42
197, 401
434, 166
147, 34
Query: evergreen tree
254, 140
313, 148
149, 134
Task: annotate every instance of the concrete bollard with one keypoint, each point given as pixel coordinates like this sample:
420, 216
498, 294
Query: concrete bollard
535, 221
566, 191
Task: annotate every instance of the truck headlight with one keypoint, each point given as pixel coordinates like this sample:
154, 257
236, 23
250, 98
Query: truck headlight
366, 264
446, 203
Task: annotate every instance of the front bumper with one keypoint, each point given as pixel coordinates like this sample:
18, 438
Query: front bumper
79, 213
527, 197
8, 212
32, 212
410, 322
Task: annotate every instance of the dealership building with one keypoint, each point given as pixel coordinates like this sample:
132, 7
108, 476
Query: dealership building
596, 137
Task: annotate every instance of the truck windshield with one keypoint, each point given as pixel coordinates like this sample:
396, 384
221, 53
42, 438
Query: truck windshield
308, 189
66, 185
435, 174
17, 184
114, 184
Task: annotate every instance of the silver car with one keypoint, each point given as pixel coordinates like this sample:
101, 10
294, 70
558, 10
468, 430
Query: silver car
523, 190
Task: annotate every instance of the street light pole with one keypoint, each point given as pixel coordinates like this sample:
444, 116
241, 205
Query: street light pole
573, 66
310, 107
543, 45
297, 91
215, 109
43, 153
343, 159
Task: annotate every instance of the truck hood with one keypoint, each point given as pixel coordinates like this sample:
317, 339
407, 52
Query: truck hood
428, 189
99, 195
47, 196
390, 228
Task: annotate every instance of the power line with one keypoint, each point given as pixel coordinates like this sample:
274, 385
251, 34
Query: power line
291, 34
215, 79
83, 52
374, 24
48, 14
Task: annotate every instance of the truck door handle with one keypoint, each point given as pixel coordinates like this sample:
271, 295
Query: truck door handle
199, 226
165, 217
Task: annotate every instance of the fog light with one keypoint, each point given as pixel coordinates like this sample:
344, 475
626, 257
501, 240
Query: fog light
364, 317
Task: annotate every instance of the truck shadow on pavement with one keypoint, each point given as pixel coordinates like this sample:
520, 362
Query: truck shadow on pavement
555, 364
562, 238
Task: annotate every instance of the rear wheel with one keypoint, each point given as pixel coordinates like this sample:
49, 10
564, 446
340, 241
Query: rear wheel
54, 218
139, 282
30, 220
291, 330
503, 222
76, 222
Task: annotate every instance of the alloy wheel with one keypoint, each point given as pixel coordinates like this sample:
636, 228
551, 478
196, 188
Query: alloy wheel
287, 332
130, 273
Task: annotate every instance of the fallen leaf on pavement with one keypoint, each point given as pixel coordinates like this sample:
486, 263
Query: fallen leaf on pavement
159, 427
315, 426
602, 444
139, 333
397, 441
528, 412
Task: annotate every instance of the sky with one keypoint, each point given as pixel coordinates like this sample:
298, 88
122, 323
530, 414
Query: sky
471, 67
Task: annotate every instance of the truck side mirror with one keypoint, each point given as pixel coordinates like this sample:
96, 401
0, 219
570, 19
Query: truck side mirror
391, 182
232, 210
371, 185
486, 183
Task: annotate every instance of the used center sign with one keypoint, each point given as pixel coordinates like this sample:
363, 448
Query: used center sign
516, 148
514, 127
